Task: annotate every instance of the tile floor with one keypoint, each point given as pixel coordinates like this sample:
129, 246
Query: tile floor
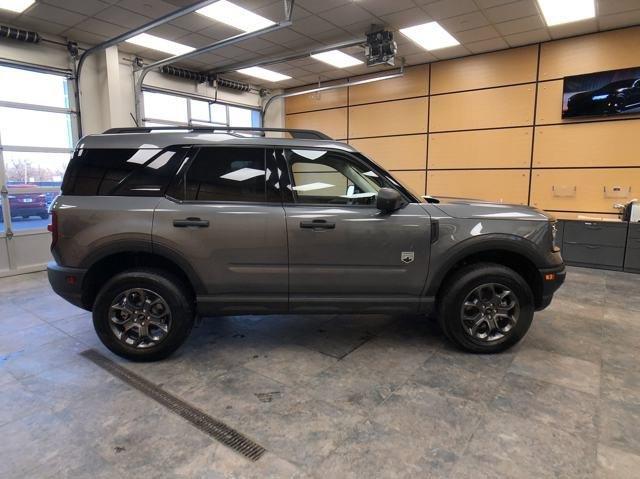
330, 396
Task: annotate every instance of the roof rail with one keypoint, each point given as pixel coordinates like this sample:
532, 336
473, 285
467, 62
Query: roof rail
295, 133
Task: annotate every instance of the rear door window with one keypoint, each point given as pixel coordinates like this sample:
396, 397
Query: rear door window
232, 174
121, 172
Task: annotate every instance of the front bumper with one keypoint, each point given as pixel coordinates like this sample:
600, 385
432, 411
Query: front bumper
552, 279
67, 282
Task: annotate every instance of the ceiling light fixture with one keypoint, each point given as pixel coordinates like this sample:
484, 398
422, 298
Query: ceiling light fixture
264, 74
17, 6
430, 36
160, 44
566, 11
337, 59
235, 16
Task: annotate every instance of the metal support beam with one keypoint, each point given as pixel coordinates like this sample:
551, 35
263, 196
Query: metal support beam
289, 4
132, 33
288, 58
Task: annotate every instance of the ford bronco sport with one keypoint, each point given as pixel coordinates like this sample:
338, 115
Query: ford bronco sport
155, 226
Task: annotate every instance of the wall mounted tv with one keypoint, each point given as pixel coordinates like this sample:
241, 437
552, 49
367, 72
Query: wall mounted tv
604, 93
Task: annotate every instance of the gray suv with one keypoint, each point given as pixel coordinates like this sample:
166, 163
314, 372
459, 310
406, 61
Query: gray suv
157, 226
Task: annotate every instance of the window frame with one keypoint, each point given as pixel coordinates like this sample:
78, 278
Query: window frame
292, 199
194, 122
191, 156
72, 111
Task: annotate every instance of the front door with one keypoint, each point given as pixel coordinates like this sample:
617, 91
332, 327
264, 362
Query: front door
345, 254
224, 217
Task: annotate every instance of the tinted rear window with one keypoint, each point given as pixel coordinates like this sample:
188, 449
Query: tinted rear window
121, 172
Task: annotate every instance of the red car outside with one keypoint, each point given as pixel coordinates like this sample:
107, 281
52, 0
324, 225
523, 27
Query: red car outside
26, 204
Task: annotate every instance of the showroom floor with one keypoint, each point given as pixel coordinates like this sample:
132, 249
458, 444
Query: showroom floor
330, 396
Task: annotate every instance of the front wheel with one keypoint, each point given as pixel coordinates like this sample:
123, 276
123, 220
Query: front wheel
486, 308
143, 315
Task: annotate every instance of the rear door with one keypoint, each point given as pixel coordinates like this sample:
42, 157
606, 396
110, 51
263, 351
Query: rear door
344, 254
224, 216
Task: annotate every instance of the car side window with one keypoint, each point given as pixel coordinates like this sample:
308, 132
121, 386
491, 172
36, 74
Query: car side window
231, 174
329, 177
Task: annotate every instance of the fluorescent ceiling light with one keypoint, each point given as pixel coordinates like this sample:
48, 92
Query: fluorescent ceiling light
160, 44
264, 74
337, 59
17, 6
235, 16
313, 186
566, 11
430, 36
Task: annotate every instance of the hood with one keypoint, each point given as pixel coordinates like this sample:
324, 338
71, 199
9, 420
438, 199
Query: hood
469, 208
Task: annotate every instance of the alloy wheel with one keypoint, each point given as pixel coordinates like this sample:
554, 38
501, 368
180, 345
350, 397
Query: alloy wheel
139, 317
490, 312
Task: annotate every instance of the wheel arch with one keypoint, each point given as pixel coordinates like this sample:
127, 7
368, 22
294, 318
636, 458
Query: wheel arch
514, 252
111, 262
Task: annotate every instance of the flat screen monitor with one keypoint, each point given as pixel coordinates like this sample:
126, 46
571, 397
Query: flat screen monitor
612, 92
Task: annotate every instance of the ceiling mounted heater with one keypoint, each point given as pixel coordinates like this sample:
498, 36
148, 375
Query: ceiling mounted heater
380, 48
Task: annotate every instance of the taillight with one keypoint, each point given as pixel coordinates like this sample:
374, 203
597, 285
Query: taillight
53, 228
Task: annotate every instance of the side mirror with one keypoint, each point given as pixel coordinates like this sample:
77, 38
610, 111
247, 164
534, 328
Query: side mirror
389, 200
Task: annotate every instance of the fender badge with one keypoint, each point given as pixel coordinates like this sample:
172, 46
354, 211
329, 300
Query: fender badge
406, 257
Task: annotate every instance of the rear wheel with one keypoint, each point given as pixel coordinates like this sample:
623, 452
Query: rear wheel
143, 315
486, 308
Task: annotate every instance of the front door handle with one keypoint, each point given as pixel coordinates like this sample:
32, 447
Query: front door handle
317, 225
197, 222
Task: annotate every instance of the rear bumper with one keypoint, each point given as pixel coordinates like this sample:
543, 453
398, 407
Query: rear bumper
552, 279
67, 282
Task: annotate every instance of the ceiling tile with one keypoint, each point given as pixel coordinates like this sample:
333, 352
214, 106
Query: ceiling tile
41, 26
311, 25
168, 31
218, 31
120, 16
520, 25
316, 6
526, 38
150, 8
477, 34
464, 22
407, 18
491, 3
618, 20
490, 45
99, 27
286, 36
212, 59
7, 16
450, 8
418, 58
193, 22
256, 44
84, 37
195, 40
55, 14
84, 7
347, 15
331, 36
511, 11
275, 50
607, 7
451, 52
385, 7
575, 28
359, 29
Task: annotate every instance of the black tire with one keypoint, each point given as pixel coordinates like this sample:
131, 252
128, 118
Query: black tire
463, 283
178, 299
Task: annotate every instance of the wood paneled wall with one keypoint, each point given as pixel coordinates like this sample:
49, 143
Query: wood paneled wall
489, 126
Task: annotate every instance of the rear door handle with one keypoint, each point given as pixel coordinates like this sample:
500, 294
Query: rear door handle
317, 225
196, 222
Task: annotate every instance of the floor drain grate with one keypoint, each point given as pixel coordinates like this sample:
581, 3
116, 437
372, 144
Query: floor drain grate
214, 428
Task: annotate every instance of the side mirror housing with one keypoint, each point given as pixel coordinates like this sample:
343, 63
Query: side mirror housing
389, 200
